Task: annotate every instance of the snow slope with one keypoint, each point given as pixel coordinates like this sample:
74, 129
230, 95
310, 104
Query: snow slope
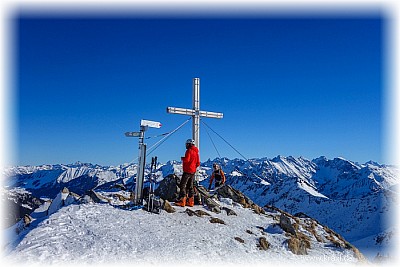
101, 233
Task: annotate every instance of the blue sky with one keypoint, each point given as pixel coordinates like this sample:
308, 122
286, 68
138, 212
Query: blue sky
287, 85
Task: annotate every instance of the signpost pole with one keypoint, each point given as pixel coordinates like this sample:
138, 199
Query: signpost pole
144, 124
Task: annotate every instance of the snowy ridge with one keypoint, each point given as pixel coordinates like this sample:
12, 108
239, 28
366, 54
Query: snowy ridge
351, 198
101, 233
47, 180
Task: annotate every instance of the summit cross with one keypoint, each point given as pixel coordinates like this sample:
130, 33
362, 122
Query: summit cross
195, 112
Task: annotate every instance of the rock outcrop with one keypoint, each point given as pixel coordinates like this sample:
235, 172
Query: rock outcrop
17, 204
168, 188
300, 231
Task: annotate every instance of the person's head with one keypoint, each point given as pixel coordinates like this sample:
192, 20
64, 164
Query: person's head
189, 143
215, 166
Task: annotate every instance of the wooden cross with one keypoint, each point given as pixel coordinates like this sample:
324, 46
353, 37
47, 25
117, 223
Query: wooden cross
195, 112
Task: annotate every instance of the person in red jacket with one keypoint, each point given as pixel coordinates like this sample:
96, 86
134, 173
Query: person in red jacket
190, 162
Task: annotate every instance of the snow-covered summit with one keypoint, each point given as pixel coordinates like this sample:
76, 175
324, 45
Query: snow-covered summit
351, 198
79, 233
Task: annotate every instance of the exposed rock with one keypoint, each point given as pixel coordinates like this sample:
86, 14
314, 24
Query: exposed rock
191, 212
62, 199
302, 215
216, 220
27, 220
305, 239
297, 246
263, 244
257, 209
249, 232
310, 227
286, 225
168, 207
228, 191
299, 242
208, 199
97, 198
65, 190
198, 213
229, 211
212, 205
239, 239
121, 197
17, 204
168, 188
358, 255
202, 213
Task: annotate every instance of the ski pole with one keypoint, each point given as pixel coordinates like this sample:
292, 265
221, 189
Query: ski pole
153, 180
151, 193
151, 170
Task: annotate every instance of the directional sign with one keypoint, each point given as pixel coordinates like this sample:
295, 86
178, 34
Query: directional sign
153, 124
132, 134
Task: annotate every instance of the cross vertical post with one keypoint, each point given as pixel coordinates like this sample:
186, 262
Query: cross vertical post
196, 108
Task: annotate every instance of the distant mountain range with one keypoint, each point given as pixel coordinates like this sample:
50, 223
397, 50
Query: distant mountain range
356, 200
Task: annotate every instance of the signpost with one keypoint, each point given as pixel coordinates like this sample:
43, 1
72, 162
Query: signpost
144, 124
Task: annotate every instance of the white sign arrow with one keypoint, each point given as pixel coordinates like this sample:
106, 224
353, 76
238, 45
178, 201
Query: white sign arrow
153, 124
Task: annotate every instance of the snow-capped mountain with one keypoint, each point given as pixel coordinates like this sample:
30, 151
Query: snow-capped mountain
47, 180
356, 200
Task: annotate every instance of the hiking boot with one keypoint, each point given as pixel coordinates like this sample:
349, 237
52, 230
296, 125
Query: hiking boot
181, 202
190, 202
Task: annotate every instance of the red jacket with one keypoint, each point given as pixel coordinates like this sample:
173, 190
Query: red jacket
191, 160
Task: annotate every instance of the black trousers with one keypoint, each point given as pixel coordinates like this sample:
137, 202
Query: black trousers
218, 183
186, 185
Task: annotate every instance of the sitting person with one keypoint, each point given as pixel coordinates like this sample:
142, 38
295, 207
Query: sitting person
218, 175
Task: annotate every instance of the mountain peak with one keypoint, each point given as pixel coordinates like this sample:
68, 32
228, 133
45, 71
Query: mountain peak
243, 233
